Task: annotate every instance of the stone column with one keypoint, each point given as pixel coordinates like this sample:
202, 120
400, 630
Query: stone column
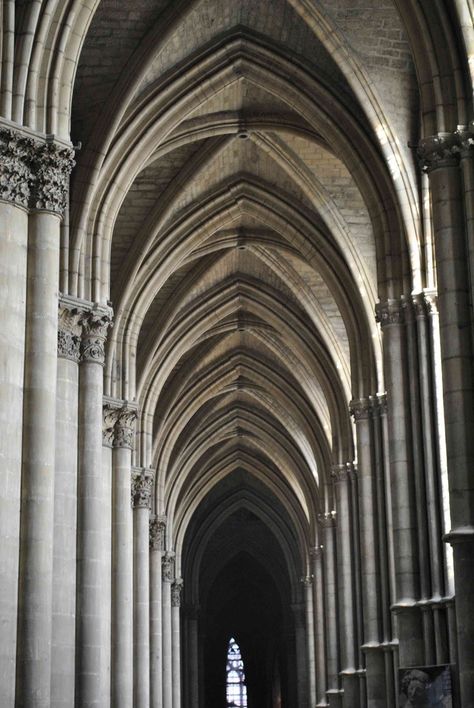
193, 657
371, 590
328, 522
176, 591
299, 617
440, 156
93, 686
308, 596
167, 663
52, 166
15, 184
122, 428
410, 632
319, 633
345, 580
157, 541
142, 485
65, 508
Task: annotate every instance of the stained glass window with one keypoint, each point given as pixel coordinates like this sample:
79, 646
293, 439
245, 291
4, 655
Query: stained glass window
236, 689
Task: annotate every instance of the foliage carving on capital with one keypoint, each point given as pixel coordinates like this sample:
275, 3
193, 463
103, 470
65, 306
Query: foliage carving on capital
167, 567
431, 301
379, 403
95, 325
16, 172
157, 533
142, 487
441, 150
360, 409
176, 591
341, 473
125, 427
109, 419
419, 305
69, 332
54, 165
328, 519
316, 552
307, 580
389, 312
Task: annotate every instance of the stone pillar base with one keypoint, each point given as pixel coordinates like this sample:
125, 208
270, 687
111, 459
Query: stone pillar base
351, 693
375, 677
334, 697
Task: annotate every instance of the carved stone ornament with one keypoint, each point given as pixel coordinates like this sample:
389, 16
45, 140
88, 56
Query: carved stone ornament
167, 567
125, 428
419, 305
341, 473
361, 409
442, 150
16, 170
316, 552
379, 404
389, 313
327, 519
109, 419
176, 590
54, 165
431, 300
95, 325
142, 486
157, 533
69, 332
307, 580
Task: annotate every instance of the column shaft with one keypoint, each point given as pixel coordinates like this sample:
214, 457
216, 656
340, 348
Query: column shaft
157, 528
319, 626
176, 641
330, 589
193, 657
13, 240
345, 582
37, 504
93, 686
141, 494
308, 590
403, 496
458, 385
65, 516
167, 662
122, 574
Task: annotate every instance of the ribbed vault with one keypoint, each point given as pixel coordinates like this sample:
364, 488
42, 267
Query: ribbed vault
250, 231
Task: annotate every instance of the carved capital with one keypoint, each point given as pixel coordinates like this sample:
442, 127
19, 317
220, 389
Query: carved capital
167, 567
34, 173
307, 581
316, 553
379, 404
442, 150
157, 533
109, 419
69, 332
16, 172
389, 313
142, 486
176, 591
431, 302
125, 427
341, 473
95, 325
328, 519
361, 409
466, 140
54, 165
419, 305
